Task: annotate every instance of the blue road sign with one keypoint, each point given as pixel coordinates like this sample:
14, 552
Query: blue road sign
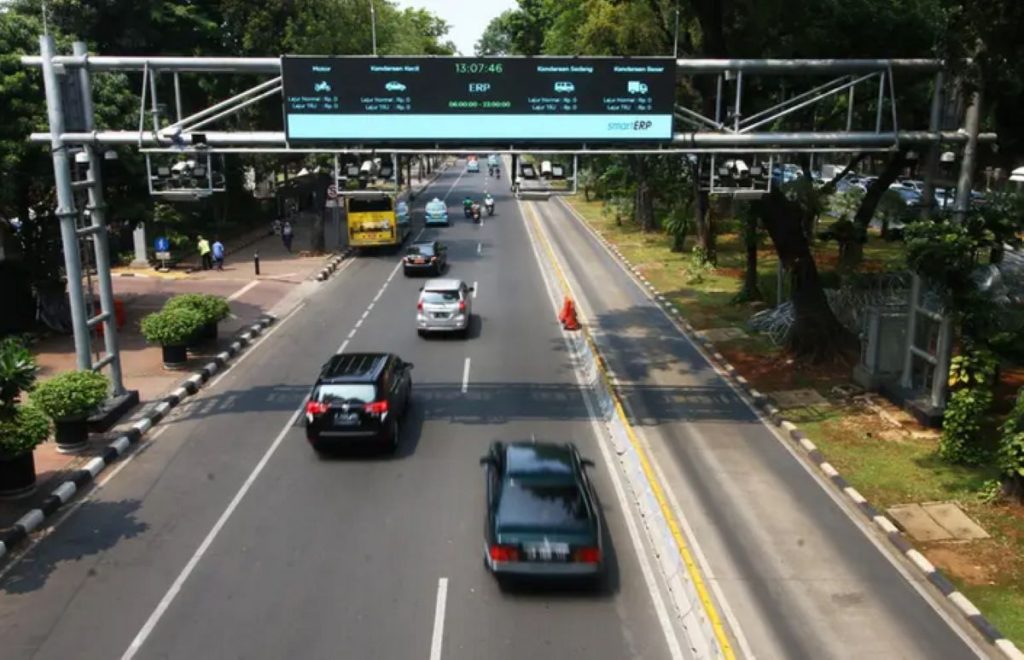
162, 244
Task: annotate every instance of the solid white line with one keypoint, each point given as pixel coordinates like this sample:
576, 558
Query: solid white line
169, 597
252, 347
465, 376
476, 286
445, 198
241, 292
439, 607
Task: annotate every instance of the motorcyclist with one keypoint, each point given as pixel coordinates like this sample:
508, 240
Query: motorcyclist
475, 211
489, 204
467, 205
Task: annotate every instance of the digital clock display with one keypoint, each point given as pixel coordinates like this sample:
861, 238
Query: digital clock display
359, 100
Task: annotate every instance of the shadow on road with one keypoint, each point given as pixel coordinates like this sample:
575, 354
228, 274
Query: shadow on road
102, 526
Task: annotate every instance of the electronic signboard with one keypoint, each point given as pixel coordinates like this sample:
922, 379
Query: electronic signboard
480, 100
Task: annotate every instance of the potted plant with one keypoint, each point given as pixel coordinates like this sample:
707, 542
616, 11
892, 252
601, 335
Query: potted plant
69, 398
22, 428
213, 309
172, 329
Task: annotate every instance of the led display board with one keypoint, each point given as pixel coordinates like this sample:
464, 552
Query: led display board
478, 100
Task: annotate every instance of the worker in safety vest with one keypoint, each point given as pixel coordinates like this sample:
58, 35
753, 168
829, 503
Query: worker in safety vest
204, 253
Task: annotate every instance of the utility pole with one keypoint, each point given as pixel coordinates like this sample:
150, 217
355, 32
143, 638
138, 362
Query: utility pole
373, 28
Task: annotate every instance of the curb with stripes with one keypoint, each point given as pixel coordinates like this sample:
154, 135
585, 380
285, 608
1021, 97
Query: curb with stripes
761, 402
332, 265
79, 479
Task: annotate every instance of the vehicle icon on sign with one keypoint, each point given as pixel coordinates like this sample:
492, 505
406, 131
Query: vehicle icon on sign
636, 87
566, 87
322, 86
394, 86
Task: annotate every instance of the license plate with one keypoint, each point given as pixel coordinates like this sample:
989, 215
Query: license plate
419, 261
346, 419
546, 551
440, 315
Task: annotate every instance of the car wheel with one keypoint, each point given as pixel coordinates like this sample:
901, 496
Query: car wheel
421, 333
395, 437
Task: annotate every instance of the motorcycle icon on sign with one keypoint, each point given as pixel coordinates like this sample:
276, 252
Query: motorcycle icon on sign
322, 86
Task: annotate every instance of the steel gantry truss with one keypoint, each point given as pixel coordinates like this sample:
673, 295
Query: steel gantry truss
728, 131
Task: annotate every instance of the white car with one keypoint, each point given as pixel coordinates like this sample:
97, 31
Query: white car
394, 86
445, 305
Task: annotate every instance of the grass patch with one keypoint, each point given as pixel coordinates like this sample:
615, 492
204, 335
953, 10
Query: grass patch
887, 465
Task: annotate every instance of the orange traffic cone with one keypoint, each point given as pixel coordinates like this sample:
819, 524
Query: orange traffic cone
568, 315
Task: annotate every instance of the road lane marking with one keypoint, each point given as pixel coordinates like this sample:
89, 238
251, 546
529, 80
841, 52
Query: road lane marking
341, 349
252, 348
175, 588
682, 546
465, 376
351, 333
438, 637
241, 292
475, 287
478, 248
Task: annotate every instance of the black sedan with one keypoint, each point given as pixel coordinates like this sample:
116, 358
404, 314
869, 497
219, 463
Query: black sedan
429, 258
542, 516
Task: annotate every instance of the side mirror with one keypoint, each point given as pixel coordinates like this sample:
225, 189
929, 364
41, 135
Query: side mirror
472, 288
586, 462
486, 460
421, 288
408, 365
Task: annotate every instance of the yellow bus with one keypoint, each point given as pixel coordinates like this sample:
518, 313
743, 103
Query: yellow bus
376, 221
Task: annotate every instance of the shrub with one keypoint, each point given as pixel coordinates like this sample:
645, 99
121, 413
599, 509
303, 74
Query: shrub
1011, 446
172, 327
212, 308
71, 394
971, 376
22, 431
17, 370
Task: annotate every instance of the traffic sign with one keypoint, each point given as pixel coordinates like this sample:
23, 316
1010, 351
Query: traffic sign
490, 100
162, 244
332, 191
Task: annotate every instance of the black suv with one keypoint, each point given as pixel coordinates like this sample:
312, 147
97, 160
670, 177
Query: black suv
358, 397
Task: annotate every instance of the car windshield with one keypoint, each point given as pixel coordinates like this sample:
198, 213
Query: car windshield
440, 297
425, 250
530, 505
435, 206
341, 392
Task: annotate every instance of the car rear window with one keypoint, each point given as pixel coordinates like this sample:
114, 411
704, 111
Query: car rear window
439, 297
525, 505
352, 392
421, 249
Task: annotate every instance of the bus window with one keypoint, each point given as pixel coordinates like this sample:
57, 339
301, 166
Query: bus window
369, 204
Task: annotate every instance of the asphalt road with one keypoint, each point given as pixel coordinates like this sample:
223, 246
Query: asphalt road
801, 578
192, 554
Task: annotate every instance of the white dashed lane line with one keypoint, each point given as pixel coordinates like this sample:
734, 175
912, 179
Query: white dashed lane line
465, 376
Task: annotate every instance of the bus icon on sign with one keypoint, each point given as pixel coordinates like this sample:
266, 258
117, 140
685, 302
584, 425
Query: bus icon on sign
566, 87
636, 87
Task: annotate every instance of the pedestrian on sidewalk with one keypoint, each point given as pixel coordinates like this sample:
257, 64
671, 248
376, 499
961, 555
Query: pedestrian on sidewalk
218, 254
286, 235
204, 253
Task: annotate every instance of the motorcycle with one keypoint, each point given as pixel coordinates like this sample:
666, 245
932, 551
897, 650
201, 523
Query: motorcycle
489, 204
468, 209
476, 213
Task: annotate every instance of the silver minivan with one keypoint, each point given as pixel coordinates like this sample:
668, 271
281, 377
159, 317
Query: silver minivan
445, 305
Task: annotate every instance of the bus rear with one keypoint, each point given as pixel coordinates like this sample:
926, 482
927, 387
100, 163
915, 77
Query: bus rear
372, 221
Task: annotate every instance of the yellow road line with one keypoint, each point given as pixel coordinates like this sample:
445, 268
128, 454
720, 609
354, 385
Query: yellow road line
652, 480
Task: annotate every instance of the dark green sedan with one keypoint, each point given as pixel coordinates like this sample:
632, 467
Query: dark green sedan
542, 516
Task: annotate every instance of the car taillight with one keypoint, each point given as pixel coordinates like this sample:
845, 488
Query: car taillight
462, 307
587, 555
376, 407
316, 407
433, 259
503, 553
419, 306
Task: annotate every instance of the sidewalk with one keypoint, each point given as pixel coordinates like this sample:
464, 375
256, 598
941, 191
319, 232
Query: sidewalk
250, 297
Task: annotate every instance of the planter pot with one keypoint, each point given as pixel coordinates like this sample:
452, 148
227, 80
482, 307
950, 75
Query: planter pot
72, 435
206, 334
175, 357
17, 476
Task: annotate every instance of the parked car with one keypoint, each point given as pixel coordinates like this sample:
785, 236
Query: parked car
426, 257
542, 517
445, 305
358, 398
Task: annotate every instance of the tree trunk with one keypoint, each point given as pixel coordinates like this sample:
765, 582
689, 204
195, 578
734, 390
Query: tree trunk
868, 206
751, 291
816, 333
643, 199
